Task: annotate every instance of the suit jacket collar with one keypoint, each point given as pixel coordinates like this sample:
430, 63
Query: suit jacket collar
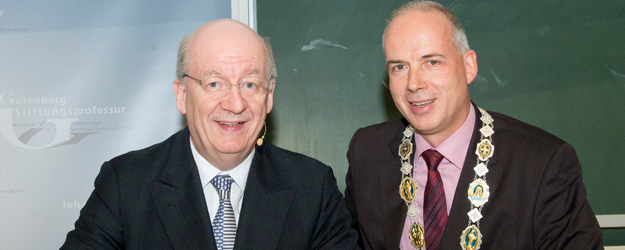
389, 177
457, 220
179, 198
264, 198
393, 145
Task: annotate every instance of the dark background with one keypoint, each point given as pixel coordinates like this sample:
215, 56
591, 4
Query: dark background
558, 65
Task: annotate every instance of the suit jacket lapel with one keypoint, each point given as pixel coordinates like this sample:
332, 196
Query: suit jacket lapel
263, 198
458, 218
179, 199
393, 207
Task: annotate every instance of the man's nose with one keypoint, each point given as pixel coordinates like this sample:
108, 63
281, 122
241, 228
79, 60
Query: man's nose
415, 81
234, 101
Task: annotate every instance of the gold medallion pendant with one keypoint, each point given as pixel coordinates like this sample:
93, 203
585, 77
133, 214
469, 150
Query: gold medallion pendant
408, 189
405, 149
417, 236
471, 238
484, 150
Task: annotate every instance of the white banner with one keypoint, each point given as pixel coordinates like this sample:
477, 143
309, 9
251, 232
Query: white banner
81, 82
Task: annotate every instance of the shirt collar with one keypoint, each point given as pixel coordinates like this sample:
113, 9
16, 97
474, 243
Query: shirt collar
208, 171
455, 147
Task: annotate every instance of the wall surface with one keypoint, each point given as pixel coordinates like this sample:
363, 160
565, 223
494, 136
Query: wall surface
80, 83
557, 65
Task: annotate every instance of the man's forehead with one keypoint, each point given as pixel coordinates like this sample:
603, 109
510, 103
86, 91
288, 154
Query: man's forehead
220, 57
426, 31
203, 59
221, 73
227, 50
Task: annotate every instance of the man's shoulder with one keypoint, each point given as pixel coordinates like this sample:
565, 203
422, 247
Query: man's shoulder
153, 151
513, 128
294, 169
381, 131
384, 127
283, 157
152, 158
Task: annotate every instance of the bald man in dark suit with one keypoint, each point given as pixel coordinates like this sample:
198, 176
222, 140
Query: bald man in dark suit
213, 185
450, 175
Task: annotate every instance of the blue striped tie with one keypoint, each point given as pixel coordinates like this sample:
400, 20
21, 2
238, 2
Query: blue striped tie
224, 225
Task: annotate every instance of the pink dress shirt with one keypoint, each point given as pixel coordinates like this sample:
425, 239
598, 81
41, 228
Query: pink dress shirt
454, 149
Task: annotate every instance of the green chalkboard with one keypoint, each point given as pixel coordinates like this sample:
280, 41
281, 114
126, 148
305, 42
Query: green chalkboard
558, 65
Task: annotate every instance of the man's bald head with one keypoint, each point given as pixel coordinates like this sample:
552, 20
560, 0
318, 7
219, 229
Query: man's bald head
419, 6
227, 34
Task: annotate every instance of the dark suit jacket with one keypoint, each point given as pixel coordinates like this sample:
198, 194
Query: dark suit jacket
537, 198
153, 199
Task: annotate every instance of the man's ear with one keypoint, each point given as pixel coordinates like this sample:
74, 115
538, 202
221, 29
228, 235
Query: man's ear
269, 101
181, 96
470, 65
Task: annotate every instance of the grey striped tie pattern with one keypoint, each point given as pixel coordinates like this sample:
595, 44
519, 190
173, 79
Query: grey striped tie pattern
224, 224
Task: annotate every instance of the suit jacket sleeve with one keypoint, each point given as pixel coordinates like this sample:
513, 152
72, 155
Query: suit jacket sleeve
563, 217
98, 226
349, 191
333, 230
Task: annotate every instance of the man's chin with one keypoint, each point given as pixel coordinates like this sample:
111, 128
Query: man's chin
234, 149
423, 127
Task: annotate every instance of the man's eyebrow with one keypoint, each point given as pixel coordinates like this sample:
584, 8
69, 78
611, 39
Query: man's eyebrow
212, 73
427, 56
393, 62
250, 72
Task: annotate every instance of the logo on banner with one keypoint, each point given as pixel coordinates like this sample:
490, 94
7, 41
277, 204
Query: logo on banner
6, 127
62, 127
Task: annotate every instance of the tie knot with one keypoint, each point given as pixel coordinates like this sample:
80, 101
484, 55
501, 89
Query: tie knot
432, 158
222, 184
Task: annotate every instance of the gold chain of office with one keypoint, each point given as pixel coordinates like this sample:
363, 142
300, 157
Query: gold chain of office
478, 192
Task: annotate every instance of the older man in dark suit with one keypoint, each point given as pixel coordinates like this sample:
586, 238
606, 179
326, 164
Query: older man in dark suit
451, 175
212, 185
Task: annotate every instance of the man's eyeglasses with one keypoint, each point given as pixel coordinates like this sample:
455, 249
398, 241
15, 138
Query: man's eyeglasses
218, 86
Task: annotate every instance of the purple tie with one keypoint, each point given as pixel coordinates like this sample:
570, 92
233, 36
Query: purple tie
435, 215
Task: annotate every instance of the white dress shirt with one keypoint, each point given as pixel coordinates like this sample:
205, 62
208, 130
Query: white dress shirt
208, 172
